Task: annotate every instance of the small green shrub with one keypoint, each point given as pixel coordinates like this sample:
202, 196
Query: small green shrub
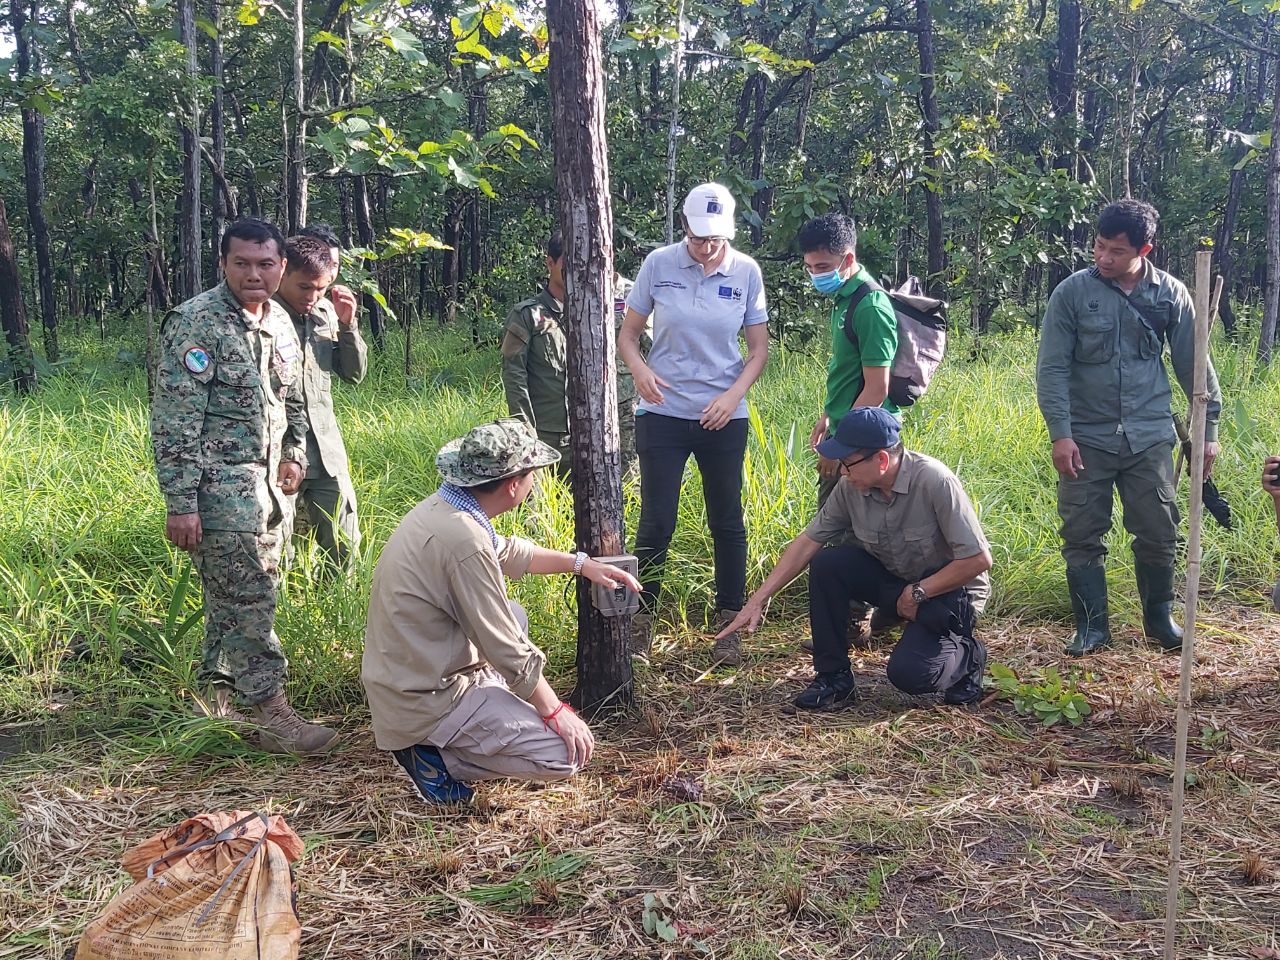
1050, 700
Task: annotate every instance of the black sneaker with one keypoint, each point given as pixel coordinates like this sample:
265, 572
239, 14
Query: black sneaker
828, 691
969, 688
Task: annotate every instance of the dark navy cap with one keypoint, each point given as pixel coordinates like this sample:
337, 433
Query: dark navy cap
862, 428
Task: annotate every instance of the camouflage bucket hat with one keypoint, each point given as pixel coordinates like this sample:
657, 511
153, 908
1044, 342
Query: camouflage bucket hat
493, 451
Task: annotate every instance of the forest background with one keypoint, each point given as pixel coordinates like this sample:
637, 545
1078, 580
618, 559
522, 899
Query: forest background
973, 141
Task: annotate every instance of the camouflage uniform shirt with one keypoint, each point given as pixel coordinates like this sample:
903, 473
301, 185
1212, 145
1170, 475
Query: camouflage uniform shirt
228, 408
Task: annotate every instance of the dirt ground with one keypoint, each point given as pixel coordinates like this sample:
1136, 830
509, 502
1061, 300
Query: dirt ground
897, 829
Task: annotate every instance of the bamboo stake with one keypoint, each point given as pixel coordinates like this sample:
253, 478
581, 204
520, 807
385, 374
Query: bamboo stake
1199, 408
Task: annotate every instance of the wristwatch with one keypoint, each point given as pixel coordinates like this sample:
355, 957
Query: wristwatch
579, 562
918, 594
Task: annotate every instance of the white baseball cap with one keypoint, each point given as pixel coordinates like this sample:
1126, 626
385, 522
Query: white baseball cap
708, 209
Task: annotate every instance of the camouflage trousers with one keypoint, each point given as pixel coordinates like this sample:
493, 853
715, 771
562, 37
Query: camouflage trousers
326, 506
239, 573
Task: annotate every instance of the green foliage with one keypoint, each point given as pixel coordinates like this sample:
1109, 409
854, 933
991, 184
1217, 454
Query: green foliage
1048, 699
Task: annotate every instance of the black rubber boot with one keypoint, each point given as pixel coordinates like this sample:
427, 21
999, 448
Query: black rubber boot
1155, 587
1088, 589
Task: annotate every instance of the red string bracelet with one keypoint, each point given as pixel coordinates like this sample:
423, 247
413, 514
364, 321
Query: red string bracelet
546, 721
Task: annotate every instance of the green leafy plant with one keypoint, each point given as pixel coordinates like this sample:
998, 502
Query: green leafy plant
1049, 699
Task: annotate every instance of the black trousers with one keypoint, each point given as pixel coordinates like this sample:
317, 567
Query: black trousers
936, 651
664, 445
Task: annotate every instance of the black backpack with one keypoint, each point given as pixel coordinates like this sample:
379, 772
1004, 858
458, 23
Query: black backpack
922, 337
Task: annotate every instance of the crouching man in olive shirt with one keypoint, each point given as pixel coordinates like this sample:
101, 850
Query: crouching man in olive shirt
455, 685
912, 544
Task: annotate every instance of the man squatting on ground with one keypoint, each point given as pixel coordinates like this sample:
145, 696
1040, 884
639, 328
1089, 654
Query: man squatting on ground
229, 428
455, 685
1271, 486
535, 363
1104, 395
331, 343
912, 544
858, 372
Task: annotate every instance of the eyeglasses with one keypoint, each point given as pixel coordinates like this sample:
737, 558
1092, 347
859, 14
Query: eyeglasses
846, 466
706, 243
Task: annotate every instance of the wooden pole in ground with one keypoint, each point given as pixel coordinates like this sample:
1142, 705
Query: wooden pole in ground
1199, 408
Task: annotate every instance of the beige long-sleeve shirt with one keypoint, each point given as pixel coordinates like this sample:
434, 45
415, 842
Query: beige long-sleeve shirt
438, 613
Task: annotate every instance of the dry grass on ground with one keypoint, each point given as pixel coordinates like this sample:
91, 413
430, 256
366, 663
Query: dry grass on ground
895, 830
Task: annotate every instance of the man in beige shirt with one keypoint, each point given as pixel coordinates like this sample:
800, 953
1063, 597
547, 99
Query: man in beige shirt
913, 545
455, 685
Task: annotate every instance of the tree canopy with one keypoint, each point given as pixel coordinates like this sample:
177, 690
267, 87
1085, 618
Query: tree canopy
972, 141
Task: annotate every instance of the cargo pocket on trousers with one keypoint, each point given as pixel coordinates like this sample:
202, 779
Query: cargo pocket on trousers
1168, 495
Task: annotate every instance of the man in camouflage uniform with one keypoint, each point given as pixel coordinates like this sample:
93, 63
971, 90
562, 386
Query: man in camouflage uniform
331, 343
228, 427
534, 364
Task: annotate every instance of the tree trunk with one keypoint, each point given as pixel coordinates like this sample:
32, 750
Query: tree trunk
21, 360
218, 138
577, 85
1271, 303
33, 171
479, 110
673, 128
1224, 242
364, 231
1063, 99
933, 165
296, 207
190, 253
250, 171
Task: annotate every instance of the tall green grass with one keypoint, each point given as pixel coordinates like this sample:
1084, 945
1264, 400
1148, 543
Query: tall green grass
85, 572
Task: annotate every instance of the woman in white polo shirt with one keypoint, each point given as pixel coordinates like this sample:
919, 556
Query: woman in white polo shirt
701, 294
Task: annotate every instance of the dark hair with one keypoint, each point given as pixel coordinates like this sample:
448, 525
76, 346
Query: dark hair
833, 232
309, 253
252, 230
555, 245
491, 485
321, 231
1134, 218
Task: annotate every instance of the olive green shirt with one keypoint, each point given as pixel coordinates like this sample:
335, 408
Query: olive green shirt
534, 364
438, 614
227, 410
1100, 374
924, 523
327, 348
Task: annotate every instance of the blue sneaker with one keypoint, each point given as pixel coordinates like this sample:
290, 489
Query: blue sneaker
433, 782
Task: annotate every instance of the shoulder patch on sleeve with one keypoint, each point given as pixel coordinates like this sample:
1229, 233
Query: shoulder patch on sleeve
197, 360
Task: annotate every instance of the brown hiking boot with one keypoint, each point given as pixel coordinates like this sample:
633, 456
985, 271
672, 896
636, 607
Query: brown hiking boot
280, 730
641, 634
728, 650
216, 704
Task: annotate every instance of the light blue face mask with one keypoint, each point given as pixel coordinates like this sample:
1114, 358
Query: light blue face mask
826, 283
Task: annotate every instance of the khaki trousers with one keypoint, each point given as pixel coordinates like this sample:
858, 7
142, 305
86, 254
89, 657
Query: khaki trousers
492, 733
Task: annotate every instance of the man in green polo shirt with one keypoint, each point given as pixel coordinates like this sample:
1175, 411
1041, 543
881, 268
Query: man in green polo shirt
858, 373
